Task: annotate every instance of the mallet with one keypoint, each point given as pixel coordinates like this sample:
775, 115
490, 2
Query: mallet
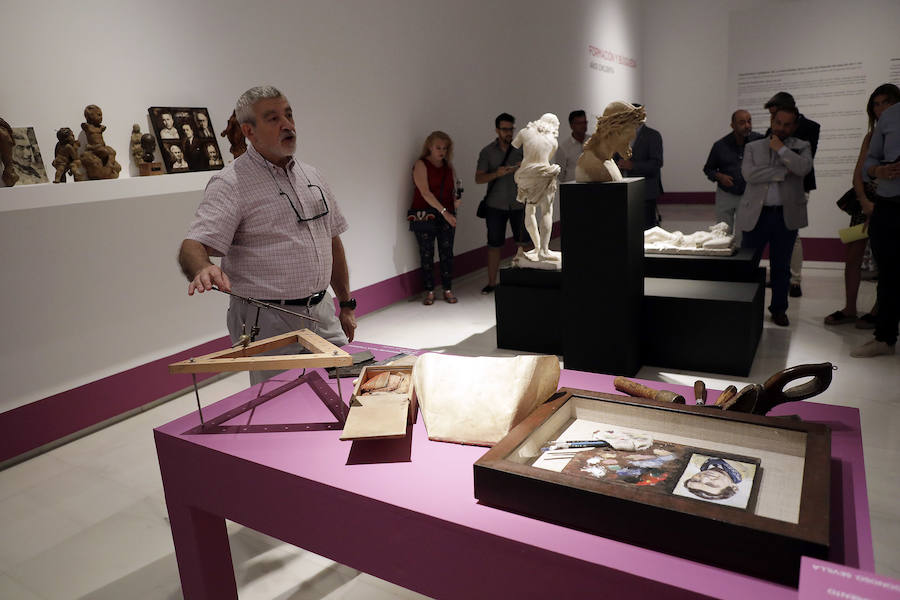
633, 388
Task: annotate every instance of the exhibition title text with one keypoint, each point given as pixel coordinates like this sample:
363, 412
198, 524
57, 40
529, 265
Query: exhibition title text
609, 56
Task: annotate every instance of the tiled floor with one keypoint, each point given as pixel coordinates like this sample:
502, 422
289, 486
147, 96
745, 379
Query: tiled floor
88, 521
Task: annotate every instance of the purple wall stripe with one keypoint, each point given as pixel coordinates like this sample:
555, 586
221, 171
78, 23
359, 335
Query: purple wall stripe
43, 421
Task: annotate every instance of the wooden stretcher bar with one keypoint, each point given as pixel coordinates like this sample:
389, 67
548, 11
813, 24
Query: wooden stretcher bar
322, 353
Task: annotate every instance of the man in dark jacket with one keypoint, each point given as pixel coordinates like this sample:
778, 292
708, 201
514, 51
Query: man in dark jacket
646, 161
724, 167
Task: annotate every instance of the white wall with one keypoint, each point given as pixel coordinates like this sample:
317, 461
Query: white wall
90, 285
694, 51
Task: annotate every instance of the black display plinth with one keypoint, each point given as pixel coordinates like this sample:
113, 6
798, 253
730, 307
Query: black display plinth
741, 266
696, 325
527, 305
603, 275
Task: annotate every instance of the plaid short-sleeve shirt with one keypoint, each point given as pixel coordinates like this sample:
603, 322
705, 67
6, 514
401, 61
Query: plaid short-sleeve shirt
247, 215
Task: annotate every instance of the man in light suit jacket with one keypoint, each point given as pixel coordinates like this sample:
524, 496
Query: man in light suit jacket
773, 207
646, 161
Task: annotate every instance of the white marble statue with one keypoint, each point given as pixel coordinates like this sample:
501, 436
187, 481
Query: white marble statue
614, 133
536, 179
715, 241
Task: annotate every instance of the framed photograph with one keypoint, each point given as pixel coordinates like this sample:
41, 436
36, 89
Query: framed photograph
186, 139
26, 157
631, 457
691, 481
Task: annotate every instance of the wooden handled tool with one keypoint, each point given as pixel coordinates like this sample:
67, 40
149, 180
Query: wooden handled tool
633, 388
726, 395
700, 392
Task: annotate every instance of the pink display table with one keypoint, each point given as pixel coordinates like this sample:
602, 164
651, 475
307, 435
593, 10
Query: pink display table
405, 511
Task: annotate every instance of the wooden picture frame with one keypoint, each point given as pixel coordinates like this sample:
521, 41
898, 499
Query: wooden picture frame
322, 353
789, 519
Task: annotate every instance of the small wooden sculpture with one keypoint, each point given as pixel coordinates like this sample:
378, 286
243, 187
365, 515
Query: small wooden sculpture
235, 136
66, 157
99, 160
137, 152
148, 147
7, 143
146, 166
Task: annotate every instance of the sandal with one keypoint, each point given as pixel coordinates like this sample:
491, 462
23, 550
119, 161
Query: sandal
867, 321
839, 317
488, 289
449, 297
429, 299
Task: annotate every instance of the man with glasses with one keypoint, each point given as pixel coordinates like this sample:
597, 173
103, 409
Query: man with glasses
277, 226
497, 163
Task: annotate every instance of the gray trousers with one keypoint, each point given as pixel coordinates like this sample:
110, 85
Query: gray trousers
274, 322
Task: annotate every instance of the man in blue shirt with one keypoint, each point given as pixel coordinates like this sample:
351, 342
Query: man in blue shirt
882, 165
723, 166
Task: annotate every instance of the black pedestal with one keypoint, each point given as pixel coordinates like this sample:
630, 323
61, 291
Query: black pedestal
603, 275
740, 266
527, 305
696, 325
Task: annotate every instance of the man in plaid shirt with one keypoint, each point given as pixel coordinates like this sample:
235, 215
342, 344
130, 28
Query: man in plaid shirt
277, 226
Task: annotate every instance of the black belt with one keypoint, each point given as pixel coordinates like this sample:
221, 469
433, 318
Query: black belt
775, 207
308, 301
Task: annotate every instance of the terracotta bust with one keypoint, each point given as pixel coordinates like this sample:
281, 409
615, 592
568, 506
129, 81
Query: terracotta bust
614, 133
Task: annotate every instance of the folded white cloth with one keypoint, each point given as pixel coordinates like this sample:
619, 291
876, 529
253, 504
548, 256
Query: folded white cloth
477, 400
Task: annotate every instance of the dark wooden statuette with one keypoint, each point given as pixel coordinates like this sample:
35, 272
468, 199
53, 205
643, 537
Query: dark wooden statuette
147, 166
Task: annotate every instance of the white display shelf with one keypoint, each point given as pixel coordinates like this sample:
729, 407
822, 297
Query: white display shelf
40, 195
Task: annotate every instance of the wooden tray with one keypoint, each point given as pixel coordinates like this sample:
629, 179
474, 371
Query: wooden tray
383, 415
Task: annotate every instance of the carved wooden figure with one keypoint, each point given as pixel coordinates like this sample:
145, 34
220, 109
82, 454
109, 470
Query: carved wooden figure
66, 157
235, 136
137, 152
99, 160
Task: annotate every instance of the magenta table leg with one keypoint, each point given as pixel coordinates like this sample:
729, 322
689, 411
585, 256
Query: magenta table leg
203, 553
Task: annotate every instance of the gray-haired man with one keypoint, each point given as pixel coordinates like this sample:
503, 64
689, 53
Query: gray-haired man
277, 226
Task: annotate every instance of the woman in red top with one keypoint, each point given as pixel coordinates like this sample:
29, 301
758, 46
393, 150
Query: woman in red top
435, 195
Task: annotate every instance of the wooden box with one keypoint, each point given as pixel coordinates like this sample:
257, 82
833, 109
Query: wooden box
383, 414
786, 510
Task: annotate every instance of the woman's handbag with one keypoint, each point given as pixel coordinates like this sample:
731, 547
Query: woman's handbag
849, 203
422, 220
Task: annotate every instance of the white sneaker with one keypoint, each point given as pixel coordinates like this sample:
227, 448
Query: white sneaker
872, 348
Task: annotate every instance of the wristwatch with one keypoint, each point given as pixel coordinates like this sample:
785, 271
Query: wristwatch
351, 304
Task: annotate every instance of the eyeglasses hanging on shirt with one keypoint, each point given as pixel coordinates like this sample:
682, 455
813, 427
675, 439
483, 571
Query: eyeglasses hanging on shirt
311, 186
